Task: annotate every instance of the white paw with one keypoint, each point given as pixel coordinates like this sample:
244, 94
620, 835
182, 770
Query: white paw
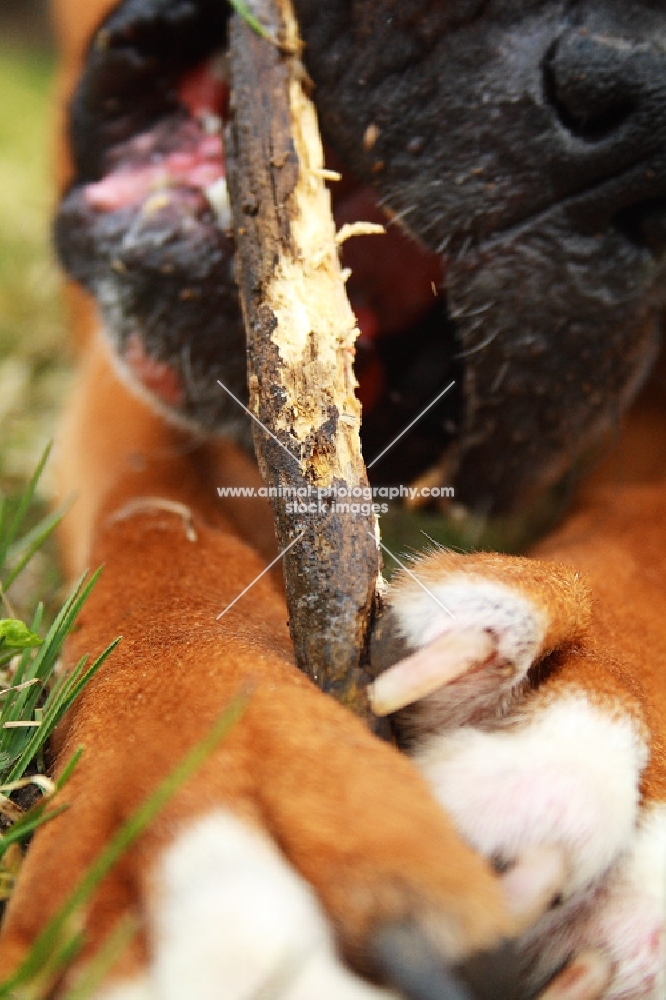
474, 627
629, 922
521, 769
139, 988
474, 639
622, 919
463, 601
230, 919
566, 777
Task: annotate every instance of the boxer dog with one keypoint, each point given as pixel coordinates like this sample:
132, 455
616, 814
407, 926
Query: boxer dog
517, 150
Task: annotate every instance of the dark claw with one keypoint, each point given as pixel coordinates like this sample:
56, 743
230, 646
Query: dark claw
405, 960
497, 975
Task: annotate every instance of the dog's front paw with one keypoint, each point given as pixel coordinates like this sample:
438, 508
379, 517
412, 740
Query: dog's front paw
475, 626
516, 718
228, 909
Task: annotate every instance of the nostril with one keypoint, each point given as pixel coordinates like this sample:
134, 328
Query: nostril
584, 83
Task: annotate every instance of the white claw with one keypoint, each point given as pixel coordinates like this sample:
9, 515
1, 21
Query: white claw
430, 668
532, 883
218, 199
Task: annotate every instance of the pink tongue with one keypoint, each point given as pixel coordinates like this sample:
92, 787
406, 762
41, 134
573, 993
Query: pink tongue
127, 185
393, 280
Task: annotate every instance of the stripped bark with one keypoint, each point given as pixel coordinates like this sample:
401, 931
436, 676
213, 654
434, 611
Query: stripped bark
300, 333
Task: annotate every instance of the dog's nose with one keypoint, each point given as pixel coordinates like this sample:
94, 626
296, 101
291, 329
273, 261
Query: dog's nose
603, 86
608, 92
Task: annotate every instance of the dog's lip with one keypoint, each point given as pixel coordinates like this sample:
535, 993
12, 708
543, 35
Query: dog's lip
592, 209
395, 278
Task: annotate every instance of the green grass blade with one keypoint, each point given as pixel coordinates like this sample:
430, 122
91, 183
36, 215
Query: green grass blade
25, 659
69, 768
8, 536
51, 937
22, 828
43, 663
243, 11
22, 552
3, 518
58, 702
21, 745
38, 815
97, 969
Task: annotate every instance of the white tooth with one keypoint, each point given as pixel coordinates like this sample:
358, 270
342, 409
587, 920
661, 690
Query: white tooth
210, 122
218, 198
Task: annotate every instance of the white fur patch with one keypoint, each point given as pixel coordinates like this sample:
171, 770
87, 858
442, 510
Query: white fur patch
139, 988
567, 778
628, 923
230, 919
463, 601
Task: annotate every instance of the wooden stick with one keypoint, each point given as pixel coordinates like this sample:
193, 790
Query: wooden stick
301, 333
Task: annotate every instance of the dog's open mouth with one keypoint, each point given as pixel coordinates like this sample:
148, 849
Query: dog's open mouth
146, 227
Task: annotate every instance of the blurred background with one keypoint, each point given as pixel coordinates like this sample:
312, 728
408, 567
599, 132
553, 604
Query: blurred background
34, 368
33, 363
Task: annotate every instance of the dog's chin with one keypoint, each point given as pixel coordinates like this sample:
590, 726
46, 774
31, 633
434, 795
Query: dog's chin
545, 329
